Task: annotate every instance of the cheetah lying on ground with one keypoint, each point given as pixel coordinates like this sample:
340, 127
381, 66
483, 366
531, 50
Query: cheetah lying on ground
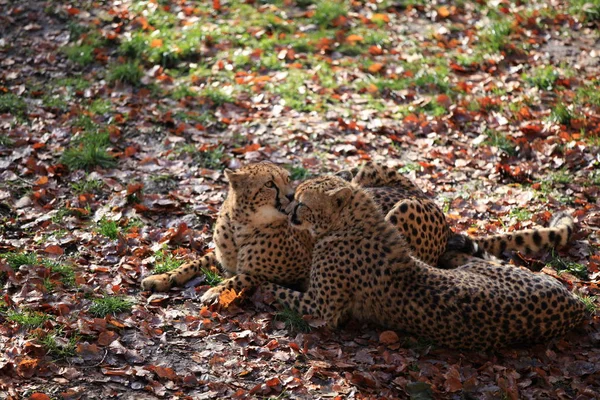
254, 241
362, 267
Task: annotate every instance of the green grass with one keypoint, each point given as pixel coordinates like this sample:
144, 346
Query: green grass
64, 270
16, 260
129, 72
90, 151
55, 102
12, 104
210, 158
590, 303
183, 91
586, 10
165, 262
520, 214
101, 106
499, 140
76, 83
293, 321
27, 318
494, 38
589, 94
5, 140
406, 168
543, 78
87, 186
57, 345
562, 114
82, 55
327, 11
561, 265
101, 307
298, 173
217, 96
212, 277
109, 228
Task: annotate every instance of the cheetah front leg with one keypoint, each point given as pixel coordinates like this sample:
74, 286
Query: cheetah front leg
179, 276
317, 303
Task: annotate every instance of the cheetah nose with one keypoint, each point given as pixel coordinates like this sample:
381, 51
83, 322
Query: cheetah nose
290, 197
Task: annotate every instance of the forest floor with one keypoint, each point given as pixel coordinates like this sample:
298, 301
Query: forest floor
117, 119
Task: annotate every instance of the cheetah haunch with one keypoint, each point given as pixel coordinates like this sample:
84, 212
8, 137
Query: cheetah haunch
362, 267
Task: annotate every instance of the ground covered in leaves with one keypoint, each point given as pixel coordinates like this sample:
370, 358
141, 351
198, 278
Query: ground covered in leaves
117, 119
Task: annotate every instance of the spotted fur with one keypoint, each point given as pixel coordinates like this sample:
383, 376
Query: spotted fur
363, 268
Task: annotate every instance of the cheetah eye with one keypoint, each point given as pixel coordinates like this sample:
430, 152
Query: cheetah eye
270, 184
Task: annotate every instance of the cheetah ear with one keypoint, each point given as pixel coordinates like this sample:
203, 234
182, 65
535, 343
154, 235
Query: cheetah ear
340, 196
234, 177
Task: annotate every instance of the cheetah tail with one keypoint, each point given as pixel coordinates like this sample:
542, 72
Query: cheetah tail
527, 241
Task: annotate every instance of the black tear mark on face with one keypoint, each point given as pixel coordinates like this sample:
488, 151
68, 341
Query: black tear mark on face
295, 219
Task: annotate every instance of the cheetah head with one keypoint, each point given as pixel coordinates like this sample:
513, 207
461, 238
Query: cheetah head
318, 204
261, 191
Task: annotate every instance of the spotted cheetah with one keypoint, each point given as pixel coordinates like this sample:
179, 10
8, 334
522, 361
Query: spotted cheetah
363, 268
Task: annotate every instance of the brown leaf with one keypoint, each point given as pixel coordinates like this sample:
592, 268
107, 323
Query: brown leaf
453, 383
375, 67
166, 372
106, 338
388, 337
55, 250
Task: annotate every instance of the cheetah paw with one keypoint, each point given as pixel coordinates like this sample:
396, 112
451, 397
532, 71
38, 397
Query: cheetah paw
211, 295
157, 283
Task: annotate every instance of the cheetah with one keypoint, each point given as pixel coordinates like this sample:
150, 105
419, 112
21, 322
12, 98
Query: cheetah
362, 268
254, 241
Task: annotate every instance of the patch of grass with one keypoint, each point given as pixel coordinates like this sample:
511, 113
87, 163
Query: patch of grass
90, 152
76, 30
586, 10
499, 140
5, 140
494, 38
562, 114
298, 173
16, 260
589, 94
165, 262
12, 104
520, 214
543, 78
64, 270
57, 345
293, 321
101, 106
55, 102
101, 307
561, 265
561, 176
590, 303
210, 158
87, 186
435, 80
212, 276
82, 55
217, 96
27, 318
183, 91
328, 11
75, 83
109, 228
129, 72
406, 168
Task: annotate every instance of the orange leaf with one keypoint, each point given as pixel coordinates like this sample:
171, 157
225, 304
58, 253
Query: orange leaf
380, 17
217, 5
156, 43
134, 187
166, 372
42, 181
443, 12
354, 38
243, 150
39, 396
129, 151
372, 88
227, 297
54, 249
375, 50
73, 11
388, 337
375, 67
